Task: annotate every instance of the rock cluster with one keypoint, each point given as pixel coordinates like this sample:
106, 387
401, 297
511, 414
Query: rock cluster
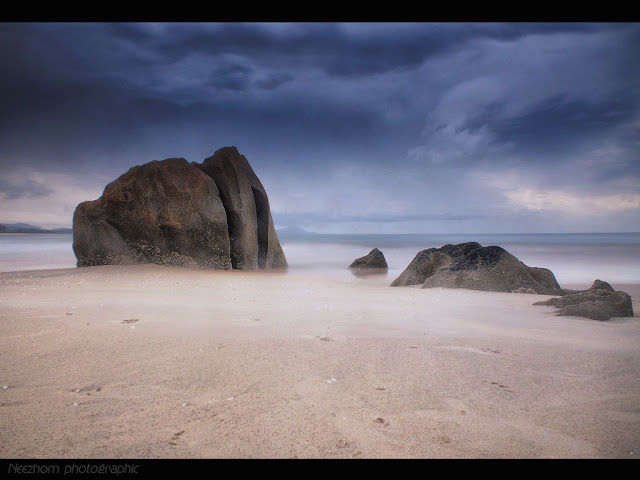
172, 212
600, 302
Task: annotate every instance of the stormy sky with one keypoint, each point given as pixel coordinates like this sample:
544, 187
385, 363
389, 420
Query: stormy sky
351, 127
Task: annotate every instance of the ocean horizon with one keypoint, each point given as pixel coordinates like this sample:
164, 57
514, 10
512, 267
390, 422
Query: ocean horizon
574, 258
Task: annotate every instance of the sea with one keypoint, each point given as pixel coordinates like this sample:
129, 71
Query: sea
575, 259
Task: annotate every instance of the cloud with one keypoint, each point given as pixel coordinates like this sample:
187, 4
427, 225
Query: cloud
46, 200
371, 122
570, 204
546, 122
12, 190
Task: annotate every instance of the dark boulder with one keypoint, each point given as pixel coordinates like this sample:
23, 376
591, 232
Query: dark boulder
373, 262
253, 238
600, 302
173, 212
472, 266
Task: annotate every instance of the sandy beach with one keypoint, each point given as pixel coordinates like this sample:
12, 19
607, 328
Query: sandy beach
160, 362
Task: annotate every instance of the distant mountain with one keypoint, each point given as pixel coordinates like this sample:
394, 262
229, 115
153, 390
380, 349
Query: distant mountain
290, 231
27, 228
20, 226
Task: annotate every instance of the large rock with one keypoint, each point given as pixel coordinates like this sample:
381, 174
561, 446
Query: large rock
470, 265
172, 212
254, 242
600, 302
372, 263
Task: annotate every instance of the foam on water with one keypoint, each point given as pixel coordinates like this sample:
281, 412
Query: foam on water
573, 258
36, 252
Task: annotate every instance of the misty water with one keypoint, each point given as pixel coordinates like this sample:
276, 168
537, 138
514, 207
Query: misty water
573, 258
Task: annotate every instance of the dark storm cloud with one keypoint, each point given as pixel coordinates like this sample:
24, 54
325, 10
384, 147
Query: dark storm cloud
566, 104
556, 124
423, 112
595, 96
348, 49
88, 76
68, 87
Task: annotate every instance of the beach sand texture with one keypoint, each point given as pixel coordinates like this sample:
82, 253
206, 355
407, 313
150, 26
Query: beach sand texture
158, 362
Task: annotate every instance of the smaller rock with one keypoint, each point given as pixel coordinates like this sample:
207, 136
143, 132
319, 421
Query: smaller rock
470, 265
372, 263
600, 302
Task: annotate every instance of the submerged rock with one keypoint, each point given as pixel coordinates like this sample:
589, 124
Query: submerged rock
172, 212
599, 302
470, 265
372, 263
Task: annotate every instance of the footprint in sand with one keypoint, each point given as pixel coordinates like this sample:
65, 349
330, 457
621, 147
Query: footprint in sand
505, 387
175, 437
381, 421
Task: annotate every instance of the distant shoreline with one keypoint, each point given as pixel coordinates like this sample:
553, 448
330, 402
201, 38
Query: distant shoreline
27, 228
36, 233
